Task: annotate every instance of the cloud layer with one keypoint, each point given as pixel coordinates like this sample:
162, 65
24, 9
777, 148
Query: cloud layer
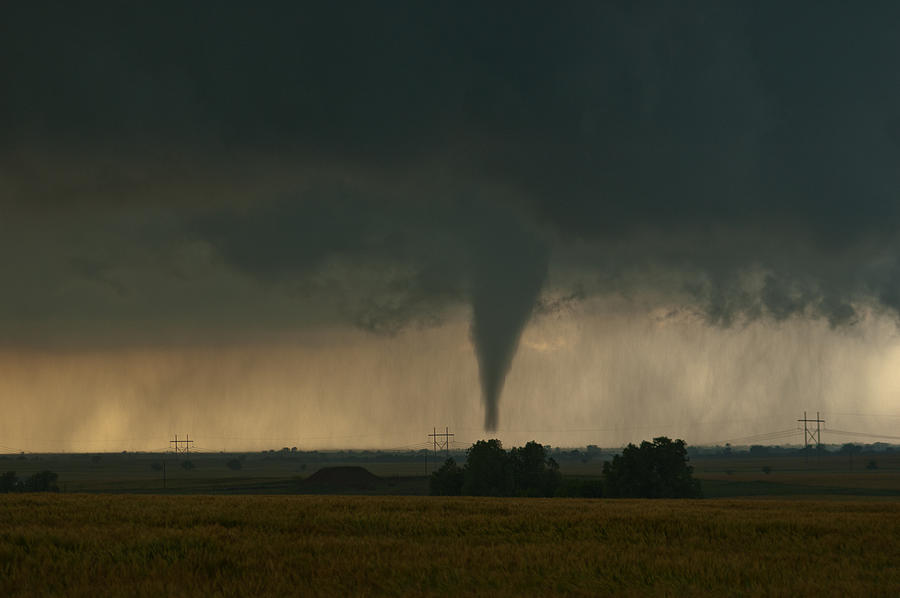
170, 174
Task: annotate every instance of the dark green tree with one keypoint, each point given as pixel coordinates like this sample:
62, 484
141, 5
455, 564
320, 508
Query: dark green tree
9, 482
488, 471
850, 449
43, 481
447, 480
534, 474
657, 469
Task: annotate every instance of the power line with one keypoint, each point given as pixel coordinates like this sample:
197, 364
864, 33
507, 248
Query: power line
446, 441
776, 435
869, 414
861, 434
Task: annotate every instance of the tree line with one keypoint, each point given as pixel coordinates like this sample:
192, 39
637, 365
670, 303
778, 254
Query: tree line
653, 469
42, 481
492, 471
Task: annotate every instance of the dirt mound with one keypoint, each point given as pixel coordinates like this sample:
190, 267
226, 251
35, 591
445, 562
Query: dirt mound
343, 478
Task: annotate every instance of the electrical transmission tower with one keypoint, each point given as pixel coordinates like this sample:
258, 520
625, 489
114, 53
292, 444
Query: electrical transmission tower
444, 442
812, 435
182, 447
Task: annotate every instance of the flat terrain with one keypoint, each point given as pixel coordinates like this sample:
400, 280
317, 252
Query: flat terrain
209, 474
100, 545
829, 476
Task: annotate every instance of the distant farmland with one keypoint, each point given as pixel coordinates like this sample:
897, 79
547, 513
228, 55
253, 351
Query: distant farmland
87, 545
266, 473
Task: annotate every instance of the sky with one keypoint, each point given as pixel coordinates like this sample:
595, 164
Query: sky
344, 225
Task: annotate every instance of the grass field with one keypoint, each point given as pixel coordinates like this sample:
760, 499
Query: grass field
90, 545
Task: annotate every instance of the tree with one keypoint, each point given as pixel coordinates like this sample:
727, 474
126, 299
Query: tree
9, 483
533, 473
43, 481
488, 470
850, 449
447, 480
657, 469
492, 471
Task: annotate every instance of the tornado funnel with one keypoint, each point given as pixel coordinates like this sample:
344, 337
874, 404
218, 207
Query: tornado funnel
507, 275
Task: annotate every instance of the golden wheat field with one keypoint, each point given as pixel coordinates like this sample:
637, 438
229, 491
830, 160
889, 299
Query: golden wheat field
80, 545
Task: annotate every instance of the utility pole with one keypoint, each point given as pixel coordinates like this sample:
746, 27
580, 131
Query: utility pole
818, 436
444, 443
182, 446
812, 435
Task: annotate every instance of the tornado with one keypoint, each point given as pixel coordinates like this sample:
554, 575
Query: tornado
508, 271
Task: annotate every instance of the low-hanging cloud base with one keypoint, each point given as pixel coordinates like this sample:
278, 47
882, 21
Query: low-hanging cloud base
603, 373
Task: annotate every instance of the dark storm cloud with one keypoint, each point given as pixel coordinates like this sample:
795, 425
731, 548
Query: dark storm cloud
610, 115
400, 158
414, 251
441, 253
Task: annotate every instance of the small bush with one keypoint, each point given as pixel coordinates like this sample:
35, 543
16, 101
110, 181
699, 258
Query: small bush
234, 464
